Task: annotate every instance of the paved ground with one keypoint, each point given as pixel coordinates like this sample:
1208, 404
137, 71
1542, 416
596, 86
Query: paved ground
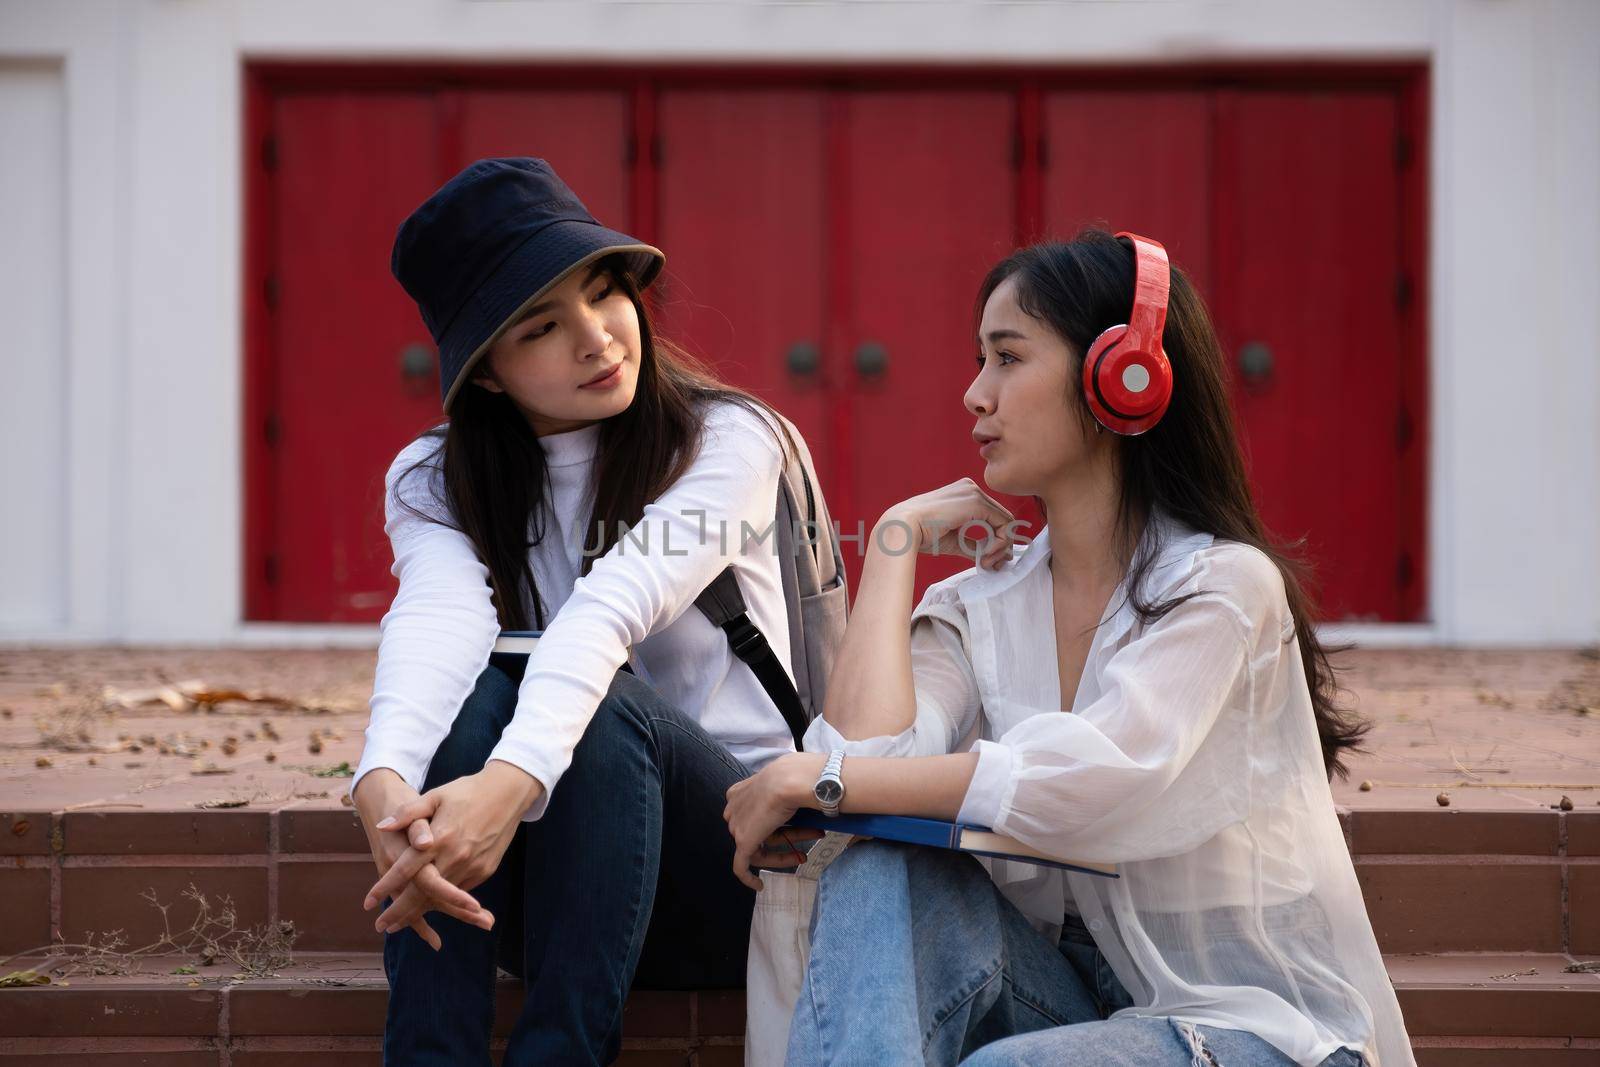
1493, 729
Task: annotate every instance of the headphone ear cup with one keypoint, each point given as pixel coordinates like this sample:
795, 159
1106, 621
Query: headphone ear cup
1127, 390
1091, 363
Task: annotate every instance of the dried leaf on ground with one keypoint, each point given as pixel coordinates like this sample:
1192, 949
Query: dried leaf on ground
1513, 975
24, 978
196, 694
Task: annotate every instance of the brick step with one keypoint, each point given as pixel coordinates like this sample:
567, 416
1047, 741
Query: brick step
1434, 881
327, 1009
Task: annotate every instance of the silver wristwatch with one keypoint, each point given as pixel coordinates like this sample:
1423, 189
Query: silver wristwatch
829, 789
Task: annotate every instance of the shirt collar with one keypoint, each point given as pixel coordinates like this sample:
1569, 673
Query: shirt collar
572, 448
1179, 543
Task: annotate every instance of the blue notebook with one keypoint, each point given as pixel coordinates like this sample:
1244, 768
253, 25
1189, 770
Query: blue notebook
977, 840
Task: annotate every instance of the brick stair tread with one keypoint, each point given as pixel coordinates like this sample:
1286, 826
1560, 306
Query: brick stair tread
343, 994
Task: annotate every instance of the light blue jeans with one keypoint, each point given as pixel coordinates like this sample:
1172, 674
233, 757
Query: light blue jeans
916, 958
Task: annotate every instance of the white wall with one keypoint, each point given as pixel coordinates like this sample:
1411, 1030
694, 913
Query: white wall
33, 402
151, 507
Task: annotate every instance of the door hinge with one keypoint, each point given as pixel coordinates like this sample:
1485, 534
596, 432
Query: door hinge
1404, 430
630, 148
269, 291
1018, 155
269, 568
269, 153
270, 428
1402, 291
1404, 571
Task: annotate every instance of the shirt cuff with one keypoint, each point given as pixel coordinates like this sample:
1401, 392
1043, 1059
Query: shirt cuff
534, 763
376, 759
981, 805
820, 736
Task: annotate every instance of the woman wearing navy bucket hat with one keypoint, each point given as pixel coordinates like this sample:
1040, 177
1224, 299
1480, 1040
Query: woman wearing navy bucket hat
562, 816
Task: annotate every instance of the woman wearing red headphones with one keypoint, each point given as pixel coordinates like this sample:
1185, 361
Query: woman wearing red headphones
1140, 685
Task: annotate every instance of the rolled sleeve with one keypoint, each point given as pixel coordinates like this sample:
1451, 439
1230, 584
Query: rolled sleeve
820, 736
990, 782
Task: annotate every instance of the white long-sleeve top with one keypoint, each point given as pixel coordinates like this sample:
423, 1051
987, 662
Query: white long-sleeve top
1189, 756
636, 605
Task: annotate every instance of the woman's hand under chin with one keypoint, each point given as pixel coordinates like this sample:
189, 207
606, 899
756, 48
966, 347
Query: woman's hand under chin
765, 801
937, 521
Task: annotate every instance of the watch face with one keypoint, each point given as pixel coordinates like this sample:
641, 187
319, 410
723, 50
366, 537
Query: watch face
829, 792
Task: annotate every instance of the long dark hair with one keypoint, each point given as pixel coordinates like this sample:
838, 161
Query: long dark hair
1189, 464
494, 469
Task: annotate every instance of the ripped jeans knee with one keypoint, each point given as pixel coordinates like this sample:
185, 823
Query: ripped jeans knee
1194, 1041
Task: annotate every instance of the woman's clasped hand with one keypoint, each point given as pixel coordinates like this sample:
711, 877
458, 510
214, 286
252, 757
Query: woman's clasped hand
432, 848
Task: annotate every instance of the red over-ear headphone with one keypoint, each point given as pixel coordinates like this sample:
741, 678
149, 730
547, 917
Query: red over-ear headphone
1127, 380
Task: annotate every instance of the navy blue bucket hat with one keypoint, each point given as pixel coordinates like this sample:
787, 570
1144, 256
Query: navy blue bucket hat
491, 242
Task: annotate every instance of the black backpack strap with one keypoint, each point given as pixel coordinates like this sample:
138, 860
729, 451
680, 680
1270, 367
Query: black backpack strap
723, 603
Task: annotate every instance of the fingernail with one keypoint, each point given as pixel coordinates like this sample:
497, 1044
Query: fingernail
366, 905
386, 823
425, 839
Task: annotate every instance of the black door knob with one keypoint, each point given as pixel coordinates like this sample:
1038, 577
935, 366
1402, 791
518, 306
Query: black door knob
872, 359
1255, 363
804, 358
416, 361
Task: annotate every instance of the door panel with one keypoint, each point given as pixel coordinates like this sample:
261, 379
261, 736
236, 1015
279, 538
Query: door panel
351, 166
929, 206
583, 135
1308, 249
742, 223
1135, 161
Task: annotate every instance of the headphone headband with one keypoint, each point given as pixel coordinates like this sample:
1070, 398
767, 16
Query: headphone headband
1151, 284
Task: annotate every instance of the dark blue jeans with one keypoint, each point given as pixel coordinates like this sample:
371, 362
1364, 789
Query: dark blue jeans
626, 880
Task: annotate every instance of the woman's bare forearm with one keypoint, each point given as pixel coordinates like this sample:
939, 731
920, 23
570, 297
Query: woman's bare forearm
870, 691
930, 787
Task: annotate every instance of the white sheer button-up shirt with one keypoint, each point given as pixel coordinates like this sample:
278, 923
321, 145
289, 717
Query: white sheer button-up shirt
1191, 759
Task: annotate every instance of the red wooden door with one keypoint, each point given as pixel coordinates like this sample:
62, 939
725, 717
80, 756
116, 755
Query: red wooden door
354, 374
789, 270
1283, 207
1308, 303
927, 192
349, 166
824, 250
742, 222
